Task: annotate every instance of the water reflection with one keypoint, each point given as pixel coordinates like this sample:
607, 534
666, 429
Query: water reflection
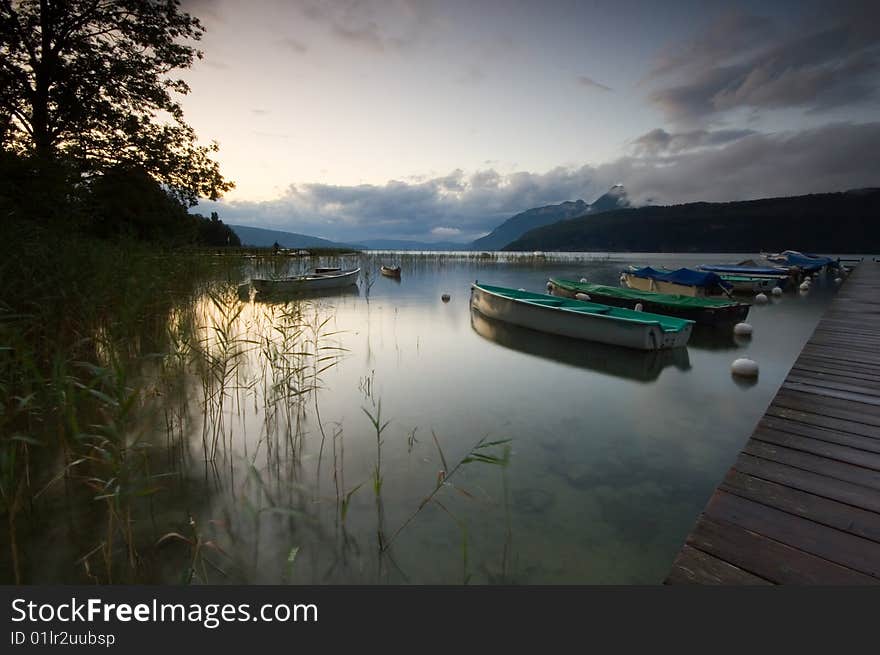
644, 366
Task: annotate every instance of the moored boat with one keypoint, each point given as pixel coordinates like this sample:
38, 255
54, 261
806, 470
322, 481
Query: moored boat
680, 282
641, 365
390, 271
703, 311
753, 284
775, 272
308, 282
581, 320
807, 262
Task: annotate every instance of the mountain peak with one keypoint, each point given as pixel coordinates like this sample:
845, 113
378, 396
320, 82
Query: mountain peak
614, 198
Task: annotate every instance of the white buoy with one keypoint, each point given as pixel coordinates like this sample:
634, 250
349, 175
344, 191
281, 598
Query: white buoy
520, 289
445, 297
838, 280
583, 280
582, 296
638, 307
805, 286
761, 298
745, 367
777, 291
743, 329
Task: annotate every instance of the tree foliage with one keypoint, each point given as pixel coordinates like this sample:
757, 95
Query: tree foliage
91, 82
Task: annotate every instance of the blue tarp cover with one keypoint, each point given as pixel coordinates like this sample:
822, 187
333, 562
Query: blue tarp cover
684, 276
808, 263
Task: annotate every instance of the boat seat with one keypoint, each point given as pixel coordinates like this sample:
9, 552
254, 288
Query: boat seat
593, 309
553, 302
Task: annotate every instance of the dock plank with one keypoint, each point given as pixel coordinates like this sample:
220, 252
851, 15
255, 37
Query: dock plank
801, 504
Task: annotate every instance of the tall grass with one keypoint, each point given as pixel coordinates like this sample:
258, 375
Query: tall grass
156, 426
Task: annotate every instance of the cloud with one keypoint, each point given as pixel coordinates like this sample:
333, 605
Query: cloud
445, 231
665, 167
375, 26
458, 205
748, 62
659, 141
590, 83
833, 157
294, 45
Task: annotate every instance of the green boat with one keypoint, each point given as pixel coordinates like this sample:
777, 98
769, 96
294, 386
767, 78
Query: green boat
703, 311
580, 320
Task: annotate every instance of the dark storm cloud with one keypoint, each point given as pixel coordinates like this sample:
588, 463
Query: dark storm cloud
747, 62
669, 168
589, 82
834, 157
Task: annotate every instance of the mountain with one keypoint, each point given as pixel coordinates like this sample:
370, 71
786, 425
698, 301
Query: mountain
515, 227
847, 222
614, 198
261, 238
518, 225
397, 244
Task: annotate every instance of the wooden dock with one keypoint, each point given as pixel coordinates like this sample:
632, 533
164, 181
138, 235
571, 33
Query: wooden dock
801, 505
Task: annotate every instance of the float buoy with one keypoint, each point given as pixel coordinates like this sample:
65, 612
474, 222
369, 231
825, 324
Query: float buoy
838, 280
743, 329
777, 291
445, 297
745, 367
583, 280
582, 296
761, 298
638, 307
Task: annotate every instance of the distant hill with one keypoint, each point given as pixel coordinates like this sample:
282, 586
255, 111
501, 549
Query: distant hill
397, 244
260, 238
846, 222
514, 227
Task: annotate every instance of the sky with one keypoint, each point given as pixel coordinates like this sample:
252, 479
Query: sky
437, 120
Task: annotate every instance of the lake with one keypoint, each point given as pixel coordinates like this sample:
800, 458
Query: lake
382, 435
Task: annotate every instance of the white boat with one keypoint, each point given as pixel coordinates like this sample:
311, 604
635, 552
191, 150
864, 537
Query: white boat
330, 279
581, 320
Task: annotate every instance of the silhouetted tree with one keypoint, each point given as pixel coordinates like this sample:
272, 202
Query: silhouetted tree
87, 80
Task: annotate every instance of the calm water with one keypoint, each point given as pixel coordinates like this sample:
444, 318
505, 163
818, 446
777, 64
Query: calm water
611, 453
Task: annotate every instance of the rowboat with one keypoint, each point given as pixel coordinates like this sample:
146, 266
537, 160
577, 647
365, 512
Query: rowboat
390, 271
579, 319
308, 282
703, 311
680, 282
640, 365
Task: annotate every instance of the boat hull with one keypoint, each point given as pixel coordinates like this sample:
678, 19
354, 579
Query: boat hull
641, 365
389, 271
712, 316
748, 284
589, 327
662, 286
307, 283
